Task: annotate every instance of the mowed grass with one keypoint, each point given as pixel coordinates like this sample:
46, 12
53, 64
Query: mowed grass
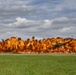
37, 64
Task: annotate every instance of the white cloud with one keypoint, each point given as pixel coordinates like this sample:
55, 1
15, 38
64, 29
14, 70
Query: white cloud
47, 23
26, 28
62, 26
62, 19
42, 18
25, 23
68, 29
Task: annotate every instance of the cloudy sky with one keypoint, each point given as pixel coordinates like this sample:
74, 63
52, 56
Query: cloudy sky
39, 18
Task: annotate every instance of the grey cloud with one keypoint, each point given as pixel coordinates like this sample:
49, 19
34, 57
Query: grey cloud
23, 10
25, 28
45, 24
23, 22
61, 25
25, 18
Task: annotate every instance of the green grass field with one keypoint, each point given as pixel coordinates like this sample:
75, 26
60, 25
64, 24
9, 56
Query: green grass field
43, 64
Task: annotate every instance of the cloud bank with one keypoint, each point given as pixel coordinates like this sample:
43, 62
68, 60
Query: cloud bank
40, 18
22, 27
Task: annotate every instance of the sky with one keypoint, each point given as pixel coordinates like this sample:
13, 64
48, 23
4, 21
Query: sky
39, 18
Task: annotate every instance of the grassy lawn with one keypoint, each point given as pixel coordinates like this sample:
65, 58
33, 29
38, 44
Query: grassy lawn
37, 64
